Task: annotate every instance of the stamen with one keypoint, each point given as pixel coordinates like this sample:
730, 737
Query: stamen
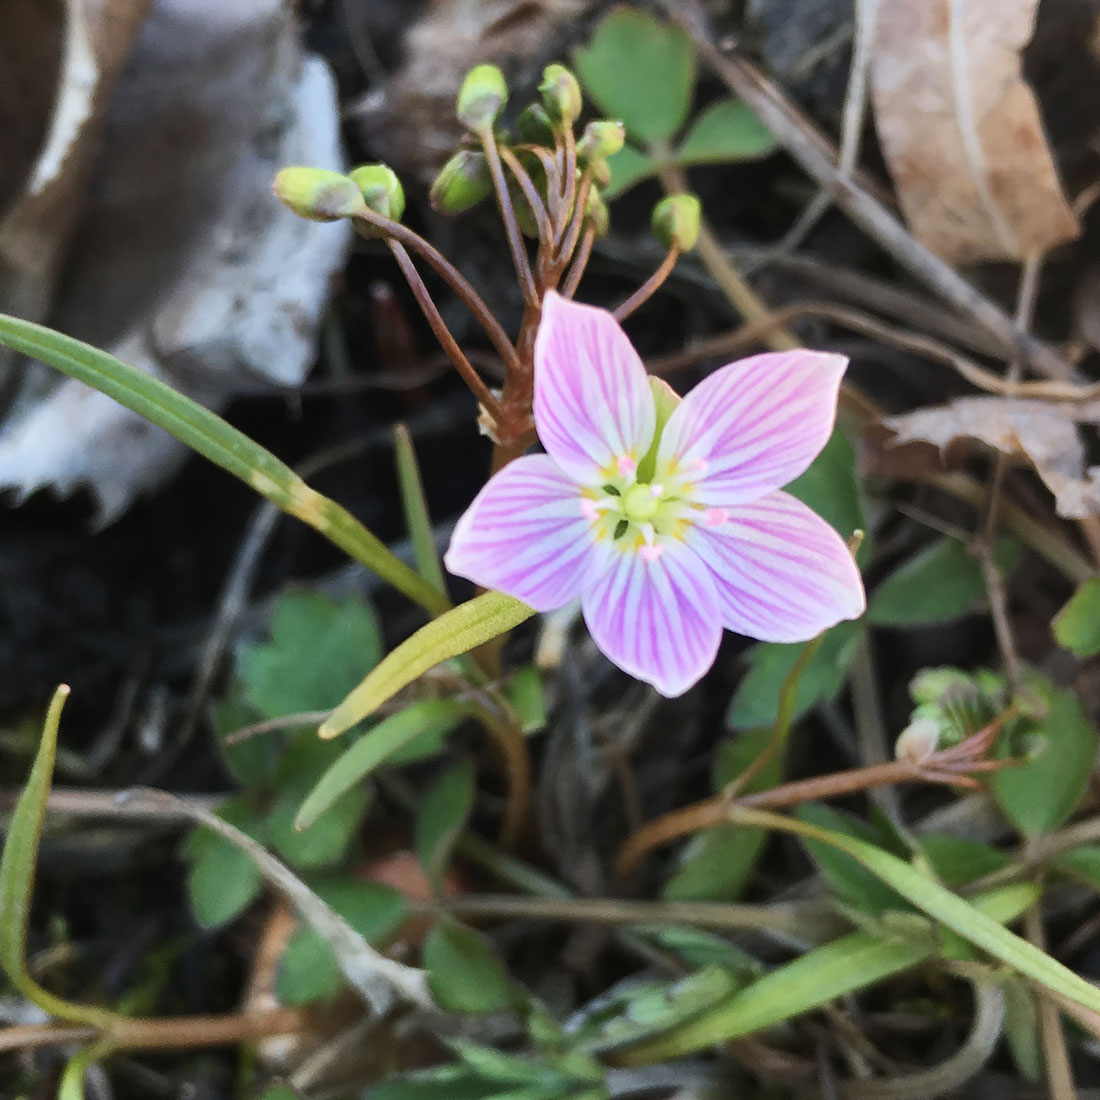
651, 553
625, 465
715, 517
656, 490
700, 465
589, 508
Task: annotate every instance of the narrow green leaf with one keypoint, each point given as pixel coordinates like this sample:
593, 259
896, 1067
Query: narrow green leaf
374, 748
212, 437
641, 71
417, 518
1039, 796
944, 906
464, 973
456, 631
728, 130
17, 872
844, 966
71, 1085
441, 818
524, 691
1077, 625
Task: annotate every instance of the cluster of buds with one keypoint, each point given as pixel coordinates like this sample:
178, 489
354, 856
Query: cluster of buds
548, 182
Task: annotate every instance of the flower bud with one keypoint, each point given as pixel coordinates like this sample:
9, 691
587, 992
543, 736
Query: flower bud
601, 139
381, 190
918, 741
481, 98
534, 125
317, 193
596, 212
463, 182
676, 221
561, 94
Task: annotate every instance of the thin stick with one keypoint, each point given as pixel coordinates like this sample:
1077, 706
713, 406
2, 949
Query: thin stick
649, 287
443, 334
1055, 1055
530, 192
815, 154
391, 230
520, 259
580, 262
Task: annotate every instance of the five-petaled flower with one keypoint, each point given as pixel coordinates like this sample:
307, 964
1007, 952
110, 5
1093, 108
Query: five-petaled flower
665, 517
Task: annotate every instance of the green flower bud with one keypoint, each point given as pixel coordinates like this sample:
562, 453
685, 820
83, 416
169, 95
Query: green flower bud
463, 182
561, 94
601, 139
534, 125
601, 172
676, 221
318, 194
381, 190
596, 212
481, 98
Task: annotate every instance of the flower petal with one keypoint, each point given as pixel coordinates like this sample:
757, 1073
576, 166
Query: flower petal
782, 573
525, 535
754, 425
592, 403
655, 619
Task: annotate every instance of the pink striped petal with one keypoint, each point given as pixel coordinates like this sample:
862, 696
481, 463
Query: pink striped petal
593, 404
655, 616
754, 425
782, 573
525, 535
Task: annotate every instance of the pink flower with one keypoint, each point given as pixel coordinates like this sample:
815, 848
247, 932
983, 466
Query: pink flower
665, 517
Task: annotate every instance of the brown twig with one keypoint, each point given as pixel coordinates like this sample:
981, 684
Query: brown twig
443, 334
374, 225
805, 143
1055, 1055
649, 287
953, 766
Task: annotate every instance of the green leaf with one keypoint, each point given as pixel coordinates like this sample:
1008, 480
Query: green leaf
1039, 796
316, 654
376, 747
417, 518
441, 1083
1077, 626
941, 582
464, 973
17, 871
1083, 863
628, 166
844, 966
756, 702
324, 842
717, 863
641, 71
308, 970
222, 880
212, 437
441, 818
253, 761
456, 631
525, 693
830, 487
728, 130
1022, 1030
958, 861
848, 877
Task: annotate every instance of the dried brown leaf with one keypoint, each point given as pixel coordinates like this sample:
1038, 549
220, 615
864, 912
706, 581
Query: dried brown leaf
961, 129
1044, 434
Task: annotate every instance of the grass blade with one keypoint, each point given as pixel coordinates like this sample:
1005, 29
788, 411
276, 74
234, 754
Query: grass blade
209, 435
457, 631
417, 518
